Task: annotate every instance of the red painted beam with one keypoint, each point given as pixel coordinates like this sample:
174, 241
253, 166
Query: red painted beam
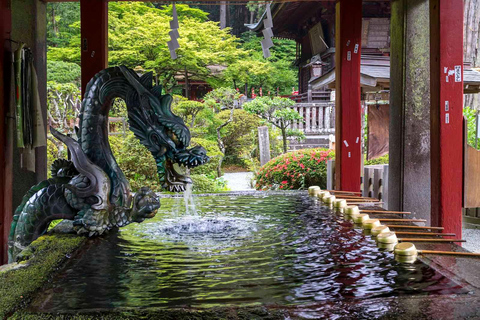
94, 33
446, 135
5, 174
348, 124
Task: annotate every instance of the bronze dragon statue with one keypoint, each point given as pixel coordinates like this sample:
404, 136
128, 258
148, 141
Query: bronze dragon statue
91, 189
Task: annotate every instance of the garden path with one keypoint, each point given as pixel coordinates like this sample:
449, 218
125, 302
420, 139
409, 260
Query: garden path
471, 233
238, 181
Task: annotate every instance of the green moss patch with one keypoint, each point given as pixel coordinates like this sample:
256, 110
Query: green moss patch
42, 258
252, 313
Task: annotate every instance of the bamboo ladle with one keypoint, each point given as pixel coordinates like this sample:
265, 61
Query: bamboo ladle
406, 249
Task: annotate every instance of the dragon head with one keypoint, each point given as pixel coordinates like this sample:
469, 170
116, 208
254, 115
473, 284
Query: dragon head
145, 205
165, 134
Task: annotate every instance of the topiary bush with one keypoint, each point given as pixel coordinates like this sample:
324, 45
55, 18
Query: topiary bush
295, 170
380, 160
63, 72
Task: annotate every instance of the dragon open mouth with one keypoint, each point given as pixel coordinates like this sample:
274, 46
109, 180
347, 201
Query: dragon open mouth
191, 158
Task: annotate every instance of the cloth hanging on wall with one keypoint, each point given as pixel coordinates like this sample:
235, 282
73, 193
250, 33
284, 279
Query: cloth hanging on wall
18, 94
30, 127
39, 136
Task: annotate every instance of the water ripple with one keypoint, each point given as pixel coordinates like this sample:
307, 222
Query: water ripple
242, 250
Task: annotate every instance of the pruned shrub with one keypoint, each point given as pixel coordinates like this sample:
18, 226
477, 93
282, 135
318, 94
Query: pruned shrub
295, 170
380, 160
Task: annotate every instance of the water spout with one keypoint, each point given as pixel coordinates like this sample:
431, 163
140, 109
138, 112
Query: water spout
190, 208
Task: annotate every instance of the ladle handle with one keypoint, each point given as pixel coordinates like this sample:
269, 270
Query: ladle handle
468, 254
413, 227
385, 211
345, 192
403, 220
430, 240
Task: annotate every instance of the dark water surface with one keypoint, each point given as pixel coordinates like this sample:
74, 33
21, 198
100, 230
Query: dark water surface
238, 250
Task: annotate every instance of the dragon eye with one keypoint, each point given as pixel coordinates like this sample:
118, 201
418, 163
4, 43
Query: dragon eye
155, 139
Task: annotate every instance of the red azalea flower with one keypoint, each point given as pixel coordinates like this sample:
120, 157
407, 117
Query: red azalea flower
284, 182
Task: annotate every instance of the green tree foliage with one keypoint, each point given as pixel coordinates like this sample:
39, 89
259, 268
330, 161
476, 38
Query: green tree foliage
63, 32
60, 17
277, 111
222, 99
278, 71
470, 114
205, 120
241, 138
256, 10
139, 36
188, 110
283, 49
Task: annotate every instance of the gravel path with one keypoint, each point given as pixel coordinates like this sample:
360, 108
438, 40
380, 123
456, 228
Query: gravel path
471, 233
238, 181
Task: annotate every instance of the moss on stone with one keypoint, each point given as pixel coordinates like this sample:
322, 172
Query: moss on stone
42, 258
243, 313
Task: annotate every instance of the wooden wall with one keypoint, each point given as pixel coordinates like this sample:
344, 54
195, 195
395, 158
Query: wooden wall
472, 178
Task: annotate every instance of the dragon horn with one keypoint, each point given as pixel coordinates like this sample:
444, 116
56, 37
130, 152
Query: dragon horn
132, 79
84, 165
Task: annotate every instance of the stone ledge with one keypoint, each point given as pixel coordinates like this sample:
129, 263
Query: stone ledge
19, 281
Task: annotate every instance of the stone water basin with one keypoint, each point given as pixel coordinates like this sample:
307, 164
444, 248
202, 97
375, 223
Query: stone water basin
279, 251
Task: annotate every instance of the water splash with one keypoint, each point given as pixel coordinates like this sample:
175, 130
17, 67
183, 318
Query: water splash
190, 208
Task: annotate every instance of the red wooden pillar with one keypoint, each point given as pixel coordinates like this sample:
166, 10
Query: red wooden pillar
94, 32
348, 124
446, 30
5, 167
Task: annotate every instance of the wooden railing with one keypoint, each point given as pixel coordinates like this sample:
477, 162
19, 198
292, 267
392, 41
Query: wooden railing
311, 96
317, 117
